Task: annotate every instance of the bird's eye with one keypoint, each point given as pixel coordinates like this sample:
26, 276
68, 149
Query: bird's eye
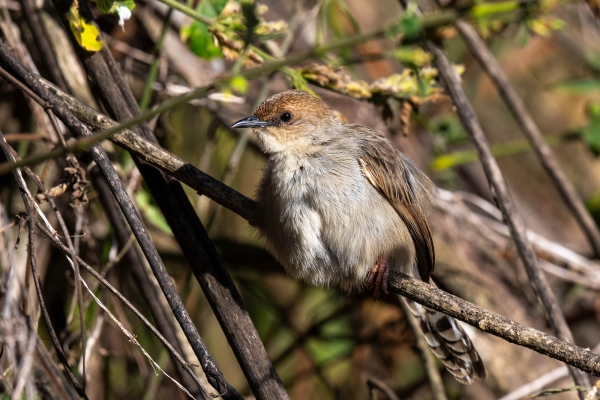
286, 116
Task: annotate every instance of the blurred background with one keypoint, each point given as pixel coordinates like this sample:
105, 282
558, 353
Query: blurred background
324, 344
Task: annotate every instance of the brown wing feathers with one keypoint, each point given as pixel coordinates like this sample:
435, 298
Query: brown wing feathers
385, 170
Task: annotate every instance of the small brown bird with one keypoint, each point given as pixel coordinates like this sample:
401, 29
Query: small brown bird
339, 206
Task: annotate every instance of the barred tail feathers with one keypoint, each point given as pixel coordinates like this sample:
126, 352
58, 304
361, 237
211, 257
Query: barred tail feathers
450, 343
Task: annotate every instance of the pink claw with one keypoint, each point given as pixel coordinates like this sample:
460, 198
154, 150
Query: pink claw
379, 276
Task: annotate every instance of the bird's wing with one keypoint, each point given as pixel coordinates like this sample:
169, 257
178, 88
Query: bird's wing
387, 170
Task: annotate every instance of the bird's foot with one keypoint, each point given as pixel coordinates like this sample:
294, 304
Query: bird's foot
378, 276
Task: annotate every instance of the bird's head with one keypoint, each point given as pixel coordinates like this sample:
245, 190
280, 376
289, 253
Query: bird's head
291, 120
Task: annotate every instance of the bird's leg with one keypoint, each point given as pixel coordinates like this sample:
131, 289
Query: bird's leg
378, 276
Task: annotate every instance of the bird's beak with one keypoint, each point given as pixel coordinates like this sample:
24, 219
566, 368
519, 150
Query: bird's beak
250, 122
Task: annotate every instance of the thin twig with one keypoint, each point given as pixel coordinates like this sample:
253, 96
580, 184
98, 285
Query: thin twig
132, 339
23, 376
67, 236
538, 384
541, 382
555, 256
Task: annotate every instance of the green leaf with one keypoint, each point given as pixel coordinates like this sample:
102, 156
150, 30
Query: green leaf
200, 41
410, 25
482, 10
216, 5
104, 5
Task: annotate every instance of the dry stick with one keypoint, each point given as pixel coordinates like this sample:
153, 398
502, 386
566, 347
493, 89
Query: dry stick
401, 284
134, 219
435, 379
8, 151
22, 373
58, 387
185, 365
538, 384
504, 200
566, 189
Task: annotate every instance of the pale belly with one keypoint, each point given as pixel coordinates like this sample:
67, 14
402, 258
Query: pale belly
331, 234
